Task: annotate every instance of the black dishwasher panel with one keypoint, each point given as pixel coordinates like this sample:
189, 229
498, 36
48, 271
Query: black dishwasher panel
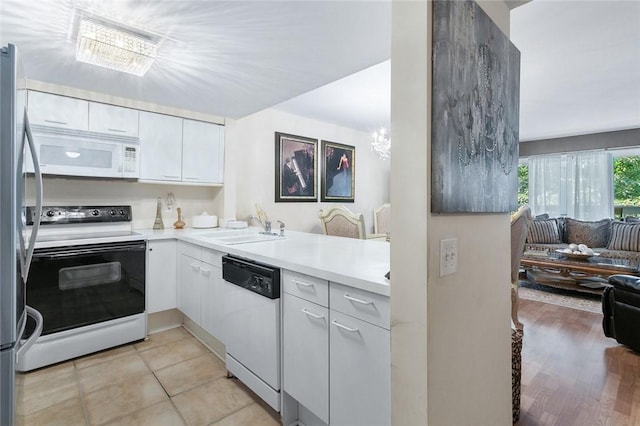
256, 277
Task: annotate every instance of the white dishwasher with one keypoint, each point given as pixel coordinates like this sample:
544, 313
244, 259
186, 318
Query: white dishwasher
252, 325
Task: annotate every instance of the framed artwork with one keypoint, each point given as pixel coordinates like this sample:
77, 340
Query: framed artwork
476, 98
296, 171
338, 172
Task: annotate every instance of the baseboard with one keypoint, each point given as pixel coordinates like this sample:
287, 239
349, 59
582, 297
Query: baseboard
164, 320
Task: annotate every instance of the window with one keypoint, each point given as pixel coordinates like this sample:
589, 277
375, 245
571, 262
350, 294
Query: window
625, 181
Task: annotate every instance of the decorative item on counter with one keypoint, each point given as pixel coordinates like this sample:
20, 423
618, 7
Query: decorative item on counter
158, 224
179, 224
204, 220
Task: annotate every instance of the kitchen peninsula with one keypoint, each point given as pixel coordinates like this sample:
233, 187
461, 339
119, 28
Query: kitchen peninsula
330, 314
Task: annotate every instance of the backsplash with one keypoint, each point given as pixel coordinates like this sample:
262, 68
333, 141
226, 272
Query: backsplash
142, 197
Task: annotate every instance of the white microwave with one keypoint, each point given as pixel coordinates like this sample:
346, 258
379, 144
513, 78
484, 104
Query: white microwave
81, 153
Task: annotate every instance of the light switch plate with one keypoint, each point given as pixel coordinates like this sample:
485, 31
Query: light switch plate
448, 256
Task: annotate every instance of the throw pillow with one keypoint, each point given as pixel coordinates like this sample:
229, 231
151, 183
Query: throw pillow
544, 232
624, 236
591, 233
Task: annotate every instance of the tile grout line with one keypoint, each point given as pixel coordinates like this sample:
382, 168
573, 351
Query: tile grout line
85, 412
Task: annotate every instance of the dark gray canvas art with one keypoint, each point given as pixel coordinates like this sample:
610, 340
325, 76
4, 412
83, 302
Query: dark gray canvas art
475, 128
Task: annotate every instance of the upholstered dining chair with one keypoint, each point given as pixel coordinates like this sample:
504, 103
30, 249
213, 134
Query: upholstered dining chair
341, 222
520, 222
382, 219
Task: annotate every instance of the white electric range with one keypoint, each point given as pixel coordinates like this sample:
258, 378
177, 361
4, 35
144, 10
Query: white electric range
87, 279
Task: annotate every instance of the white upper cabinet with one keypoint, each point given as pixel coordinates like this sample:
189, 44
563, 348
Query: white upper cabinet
58, 111
112, 119
161, 140
202, 152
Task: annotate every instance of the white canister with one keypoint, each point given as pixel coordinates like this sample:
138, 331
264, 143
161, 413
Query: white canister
204, 220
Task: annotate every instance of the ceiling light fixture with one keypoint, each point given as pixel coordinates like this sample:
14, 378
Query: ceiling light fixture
381, 143
109, 46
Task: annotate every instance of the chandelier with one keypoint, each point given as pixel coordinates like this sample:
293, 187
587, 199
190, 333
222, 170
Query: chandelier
113, 47
381, 143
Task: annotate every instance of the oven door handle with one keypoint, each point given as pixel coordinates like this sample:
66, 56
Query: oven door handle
55, 254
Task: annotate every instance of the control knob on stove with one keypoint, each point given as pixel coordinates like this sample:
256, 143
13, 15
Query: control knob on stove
121, 212
95, 212
50, 213
112, 212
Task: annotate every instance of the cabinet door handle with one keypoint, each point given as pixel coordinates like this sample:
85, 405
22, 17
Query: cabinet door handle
353, 299
117, 130
195, 266
311, 314
171, 177
190, 178
55, 121
302, 283
344, 327
206, 272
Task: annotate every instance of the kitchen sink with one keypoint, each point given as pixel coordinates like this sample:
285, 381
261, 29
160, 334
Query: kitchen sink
239, 237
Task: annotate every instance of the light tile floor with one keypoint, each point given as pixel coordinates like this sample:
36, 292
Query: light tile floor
169, 379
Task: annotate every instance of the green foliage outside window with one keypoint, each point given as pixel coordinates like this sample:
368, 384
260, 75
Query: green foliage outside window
523, 184
626, 181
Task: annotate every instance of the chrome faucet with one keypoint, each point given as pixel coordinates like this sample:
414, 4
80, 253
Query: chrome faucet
266, 225
281, 228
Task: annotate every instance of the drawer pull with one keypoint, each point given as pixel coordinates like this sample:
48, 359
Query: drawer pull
363, 302
172, 177
195, 266
55, 121
206, 272
117, 130
344, 327
302, 283
311, 314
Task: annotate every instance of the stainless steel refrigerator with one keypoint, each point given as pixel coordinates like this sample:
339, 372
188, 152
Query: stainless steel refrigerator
16, 249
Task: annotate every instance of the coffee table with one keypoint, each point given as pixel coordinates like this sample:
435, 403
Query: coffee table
588, 275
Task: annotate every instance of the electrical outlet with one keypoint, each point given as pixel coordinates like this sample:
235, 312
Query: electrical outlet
448, 256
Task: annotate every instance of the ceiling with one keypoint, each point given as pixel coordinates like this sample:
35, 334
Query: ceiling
227, 58
579, 70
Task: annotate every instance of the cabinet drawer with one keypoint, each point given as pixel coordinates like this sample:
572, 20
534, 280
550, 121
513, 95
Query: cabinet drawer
212, 257
306, 287
190, 250
370, 307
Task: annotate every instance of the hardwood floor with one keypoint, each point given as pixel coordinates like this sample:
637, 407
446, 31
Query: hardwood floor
571, 373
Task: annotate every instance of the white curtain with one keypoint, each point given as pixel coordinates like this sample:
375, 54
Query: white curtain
577, 185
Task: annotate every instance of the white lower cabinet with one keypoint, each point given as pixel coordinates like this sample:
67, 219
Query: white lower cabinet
200, 288
190, 287
306, 354
212, 306
336, 353
359, 372
161, 275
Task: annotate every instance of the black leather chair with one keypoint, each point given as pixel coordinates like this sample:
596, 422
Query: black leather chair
621, 309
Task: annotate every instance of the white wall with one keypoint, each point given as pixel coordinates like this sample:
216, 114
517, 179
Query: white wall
450, 336
250, 148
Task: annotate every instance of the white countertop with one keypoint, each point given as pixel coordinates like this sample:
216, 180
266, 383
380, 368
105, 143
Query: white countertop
360, 264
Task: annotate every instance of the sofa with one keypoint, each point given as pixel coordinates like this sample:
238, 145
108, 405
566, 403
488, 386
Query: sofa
610, 238
621, 310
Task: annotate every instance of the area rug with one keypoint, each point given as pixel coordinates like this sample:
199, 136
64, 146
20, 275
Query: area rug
568, 299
